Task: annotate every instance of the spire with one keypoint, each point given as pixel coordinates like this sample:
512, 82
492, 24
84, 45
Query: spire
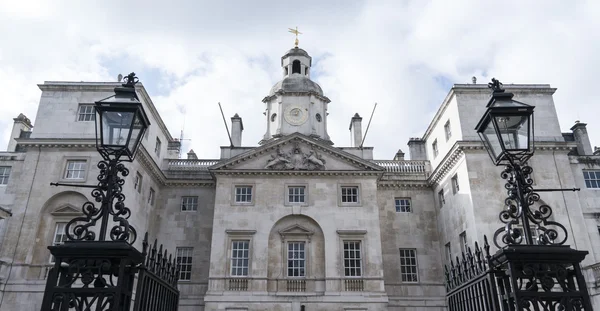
296, 32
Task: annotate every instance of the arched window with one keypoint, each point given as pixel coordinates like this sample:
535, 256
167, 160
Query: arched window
296, 67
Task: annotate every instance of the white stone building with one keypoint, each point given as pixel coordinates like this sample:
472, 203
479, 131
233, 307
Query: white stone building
295, 222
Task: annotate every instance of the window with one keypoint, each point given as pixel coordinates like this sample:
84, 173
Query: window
448, 249
137, 185
86, 113
408, 265
151, 197
455, 187
157, 147
592, 179
243, 194
447, 130
296, 194
4, 174
75, 169
352, 259
296, 67
296, 259
59, 236
189, 204
403, 205
441, 197
463, 242
434, 146
239, 258
350, 194
184, 263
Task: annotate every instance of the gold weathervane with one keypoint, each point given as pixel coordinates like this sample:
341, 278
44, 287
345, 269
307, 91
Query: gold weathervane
296, 32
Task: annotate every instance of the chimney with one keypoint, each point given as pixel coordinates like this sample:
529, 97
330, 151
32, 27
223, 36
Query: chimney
399, 155
191, 155
356, 128
474, 79
597, 151
21, 129
416, 149
584, 147
237, 126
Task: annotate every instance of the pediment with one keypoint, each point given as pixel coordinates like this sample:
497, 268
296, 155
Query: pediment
295, 230
297, 152
67, 210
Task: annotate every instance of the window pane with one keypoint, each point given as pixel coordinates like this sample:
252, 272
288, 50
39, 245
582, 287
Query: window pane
184, 262
408, 265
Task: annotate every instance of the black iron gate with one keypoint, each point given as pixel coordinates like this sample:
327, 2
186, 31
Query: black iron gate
518, 277
100, 275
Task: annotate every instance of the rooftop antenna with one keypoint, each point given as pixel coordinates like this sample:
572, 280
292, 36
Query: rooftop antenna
369, 124
226, 127
181, 139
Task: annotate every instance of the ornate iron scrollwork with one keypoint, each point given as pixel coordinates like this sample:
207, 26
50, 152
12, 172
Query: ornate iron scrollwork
112, 203
521, 217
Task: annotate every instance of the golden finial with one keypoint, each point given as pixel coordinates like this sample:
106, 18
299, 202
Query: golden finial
296, 32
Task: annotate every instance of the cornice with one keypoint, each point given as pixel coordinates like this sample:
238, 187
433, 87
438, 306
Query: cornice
57, 142
402, 184
461, 147
294, 173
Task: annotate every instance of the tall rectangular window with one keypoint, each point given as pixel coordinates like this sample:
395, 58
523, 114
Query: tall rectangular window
441, 197
592, 179
408, 265
463, 242
455, 186
184, 262
296, 194
434, 146
403, 205
239, 257
151, 197
352, 259
349, 194
86, 113
75, 169
243, 194
4, 174
448, 249
137, 185
59, 236
447, 130
189, 204
296, 259
157, 147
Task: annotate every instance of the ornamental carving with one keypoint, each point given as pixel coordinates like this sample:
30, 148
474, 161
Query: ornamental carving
295, 159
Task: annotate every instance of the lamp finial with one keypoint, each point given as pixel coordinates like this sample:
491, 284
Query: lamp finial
496, 86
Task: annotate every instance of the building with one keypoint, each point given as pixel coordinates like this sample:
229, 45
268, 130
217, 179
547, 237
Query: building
295, 222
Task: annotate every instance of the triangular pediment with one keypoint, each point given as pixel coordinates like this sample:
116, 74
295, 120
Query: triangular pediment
296, 152
67, 210
295, 230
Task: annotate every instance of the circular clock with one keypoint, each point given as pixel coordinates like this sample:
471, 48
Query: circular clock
295, 115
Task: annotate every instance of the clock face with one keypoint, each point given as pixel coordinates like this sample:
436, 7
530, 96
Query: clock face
295, 115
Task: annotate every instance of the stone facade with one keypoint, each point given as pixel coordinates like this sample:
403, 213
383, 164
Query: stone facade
295, 254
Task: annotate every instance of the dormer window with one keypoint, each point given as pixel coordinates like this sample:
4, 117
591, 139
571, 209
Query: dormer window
296, 68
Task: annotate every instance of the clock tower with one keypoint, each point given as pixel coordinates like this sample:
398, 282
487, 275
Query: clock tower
296, 104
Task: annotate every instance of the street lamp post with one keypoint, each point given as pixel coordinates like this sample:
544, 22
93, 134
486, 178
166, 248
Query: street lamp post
506, 129
95, 268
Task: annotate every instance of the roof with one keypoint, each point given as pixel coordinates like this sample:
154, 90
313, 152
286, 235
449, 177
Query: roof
296, 83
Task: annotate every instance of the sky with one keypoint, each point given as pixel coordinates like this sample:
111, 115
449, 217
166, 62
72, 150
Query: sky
403, 55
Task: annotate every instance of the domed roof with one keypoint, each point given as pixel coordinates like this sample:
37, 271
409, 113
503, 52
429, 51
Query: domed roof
296, 83
296, 51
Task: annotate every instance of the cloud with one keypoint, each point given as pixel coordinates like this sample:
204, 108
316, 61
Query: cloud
401, 54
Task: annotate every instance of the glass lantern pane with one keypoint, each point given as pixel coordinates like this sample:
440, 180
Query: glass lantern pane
514, 131
116, 127
136, 132
492, 141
